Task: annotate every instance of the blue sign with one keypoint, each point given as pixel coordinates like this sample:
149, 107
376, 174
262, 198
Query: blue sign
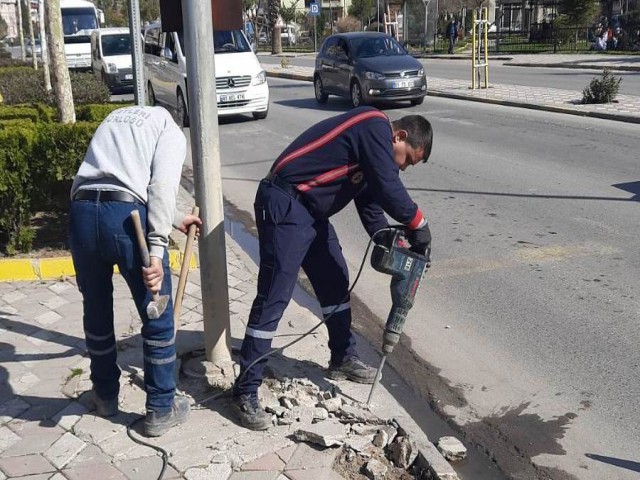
314, 9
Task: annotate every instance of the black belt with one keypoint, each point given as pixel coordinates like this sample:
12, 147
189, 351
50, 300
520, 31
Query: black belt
106, 196
284, 185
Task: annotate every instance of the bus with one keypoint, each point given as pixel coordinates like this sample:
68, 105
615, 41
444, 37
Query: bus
79, 19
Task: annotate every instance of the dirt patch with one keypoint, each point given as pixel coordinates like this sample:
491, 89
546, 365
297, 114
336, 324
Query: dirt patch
352, 466
50, 236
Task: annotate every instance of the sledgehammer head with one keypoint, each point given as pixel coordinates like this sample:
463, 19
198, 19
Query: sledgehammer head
157, 306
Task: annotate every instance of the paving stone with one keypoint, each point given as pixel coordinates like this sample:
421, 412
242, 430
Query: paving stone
28, 428
452, 449
286, 453
48, 318
95, 429
60, 287
265, 475
147, 468
310, 457
40, 476
12, 409
64, 450
30, 445
220, 471
320, 473
88, 457
7, 438
25, 465
23, 382
13, 297
271, 461
53, 302
123, 449
98, 471
70, 415
58, 476
327, 434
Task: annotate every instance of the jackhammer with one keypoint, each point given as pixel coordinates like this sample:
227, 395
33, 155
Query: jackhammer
406, 268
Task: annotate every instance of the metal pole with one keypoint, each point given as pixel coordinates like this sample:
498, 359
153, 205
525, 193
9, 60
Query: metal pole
315, 34
136, 52
205, 148
34, 57
377, 16
44, 48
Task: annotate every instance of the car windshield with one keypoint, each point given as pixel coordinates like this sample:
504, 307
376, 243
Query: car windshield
376, 46
225, 41
76, 19
116, 45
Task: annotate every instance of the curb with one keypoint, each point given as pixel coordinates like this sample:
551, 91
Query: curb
578, 66
30, 269
508, 103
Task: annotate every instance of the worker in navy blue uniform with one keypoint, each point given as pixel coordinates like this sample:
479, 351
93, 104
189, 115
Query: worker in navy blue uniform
353, 156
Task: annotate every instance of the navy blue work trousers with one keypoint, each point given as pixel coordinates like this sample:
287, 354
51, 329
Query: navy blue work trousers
101, 235
290, 238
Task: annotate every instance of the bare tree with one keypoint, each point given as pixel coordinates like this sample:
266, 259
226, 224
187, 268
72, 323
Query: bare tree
61, 79
43, 47
23, 52
276, 38
34, 57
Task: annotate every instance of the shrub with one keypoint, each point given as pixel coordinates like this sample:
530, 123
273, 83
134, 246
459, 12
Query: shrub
15, 189
602, 90
348, 24
37, 165
88, 89
20, 85
96, 113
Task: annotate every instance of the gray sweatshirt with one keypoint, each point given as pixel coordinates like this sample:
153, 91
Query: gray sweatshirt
139, 150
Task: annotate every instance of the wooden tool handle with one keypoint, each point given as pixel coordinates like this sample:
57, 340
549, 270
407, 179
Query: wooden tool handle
142, 242
184, 270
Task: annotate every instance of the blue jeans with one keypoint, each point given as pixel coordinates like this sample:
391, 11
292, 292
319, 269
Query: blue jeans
101, 235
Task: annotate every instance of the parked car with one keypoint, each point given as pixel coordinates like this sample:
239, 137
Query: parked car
367, 67
37, 47
111, 59
241, 82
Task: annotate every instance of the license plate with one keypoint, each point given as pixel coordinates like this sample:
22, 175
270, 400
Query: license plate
128, 76
403, 84
232, 97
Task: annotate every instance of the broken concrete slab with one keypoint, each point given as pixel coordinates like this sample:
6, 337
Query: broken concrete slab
452, 449
375, 470
327, 434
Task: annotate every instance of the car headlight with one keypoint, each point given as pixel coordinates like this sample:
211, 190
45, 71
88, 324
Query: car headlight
112, 67
374, 76
260, 78
421, 72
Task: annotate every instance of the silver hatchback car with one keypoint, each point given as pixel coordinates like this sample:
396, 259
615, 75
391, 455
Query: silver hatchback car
367, 67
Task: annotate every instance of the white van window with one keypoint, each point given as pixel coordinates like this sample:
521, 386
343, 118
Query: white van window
225, 41
170, 44
76, 19
116, 45
152, 42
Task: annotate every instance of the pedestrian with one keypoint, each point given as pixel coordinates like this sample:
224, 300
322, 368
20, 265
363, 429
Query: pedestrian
134, 162
354, 156
452, 33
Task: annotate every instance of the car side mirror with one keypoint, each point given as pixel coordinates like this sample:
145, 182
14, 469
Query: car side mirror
166, 53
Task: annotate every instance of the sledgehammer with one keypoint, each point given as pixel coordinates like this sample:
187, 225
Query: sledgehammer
158, 303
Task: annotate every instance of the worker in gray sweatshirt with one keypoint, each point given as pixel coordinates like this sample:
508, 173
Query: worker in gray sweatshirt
134, 161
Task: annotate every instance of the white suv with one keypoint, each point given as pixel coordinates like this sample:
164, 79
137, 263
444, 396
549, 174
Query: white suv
241, 83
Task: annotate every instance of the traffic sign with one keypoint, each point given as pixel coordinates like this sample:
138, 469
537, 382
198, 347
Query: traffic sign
314, 9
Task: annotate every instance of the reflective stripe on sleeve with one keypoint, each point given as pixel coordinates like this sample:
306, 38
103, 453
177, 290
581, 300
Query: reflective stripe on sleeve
252, 332
335, 308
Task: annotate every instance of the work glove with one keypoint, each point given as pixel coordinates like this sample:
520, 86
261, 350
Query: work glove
420, 240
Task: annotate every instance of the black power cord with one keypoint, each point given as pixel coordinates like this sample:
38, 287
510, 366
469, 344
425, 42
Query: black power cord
165, 454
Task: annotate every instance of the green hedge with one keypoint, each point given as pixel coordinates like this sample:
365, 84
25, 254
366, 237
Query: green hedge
19, 85
37, 165
12, 114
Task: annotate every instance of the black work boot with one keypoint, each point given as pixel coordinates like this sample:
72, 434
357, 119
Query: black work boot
105, 407
250, 413
352, 369
156, 424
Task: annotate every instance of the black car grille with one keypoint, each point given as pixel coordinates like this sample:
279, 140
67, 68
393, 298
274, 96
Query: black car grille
232, 82
401, 92
239, 103
411, 73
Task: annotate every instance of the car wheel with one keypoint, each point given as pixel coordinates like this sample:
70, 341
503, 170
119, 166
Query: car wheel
260, 115
356, 95
417, 101
183, 116
321, 97
151, 96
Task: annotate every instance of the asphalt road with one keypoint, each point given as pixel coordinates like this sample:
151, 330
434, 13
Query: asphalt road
525, 332
562, 78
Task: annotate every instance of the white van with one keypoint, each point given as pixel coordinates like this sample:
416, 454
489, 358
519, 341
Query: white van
111, 59
79, 19
241, 83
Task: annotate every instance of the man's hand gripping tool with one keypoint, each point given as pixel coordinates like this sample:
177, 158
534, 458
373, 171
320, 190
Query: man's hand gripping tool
406, 268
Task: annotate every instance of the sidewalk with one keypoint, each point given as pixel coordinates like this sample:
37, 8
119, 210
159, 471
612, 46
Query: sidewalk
626, 108
49, 431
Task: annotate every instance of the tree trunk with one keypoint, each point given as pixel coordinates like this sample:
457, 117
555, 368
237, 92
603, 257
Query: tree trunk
61, 78
276, 41
43, 47
23, 52
34, 57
